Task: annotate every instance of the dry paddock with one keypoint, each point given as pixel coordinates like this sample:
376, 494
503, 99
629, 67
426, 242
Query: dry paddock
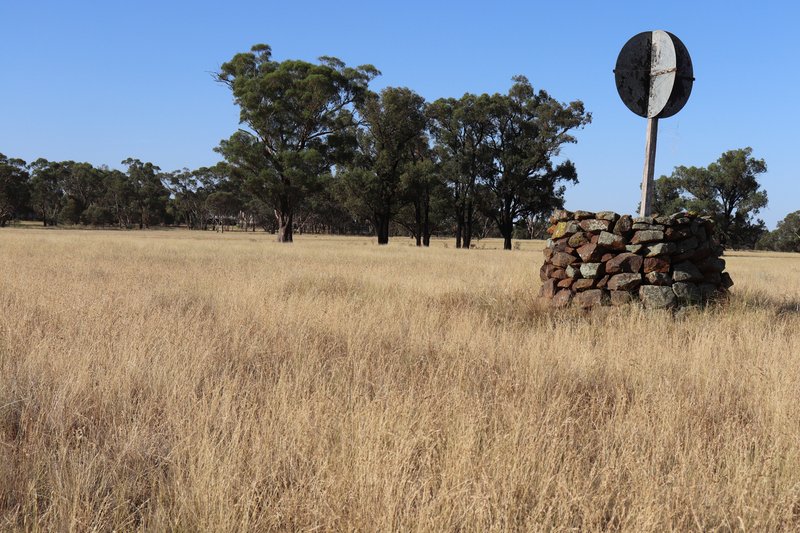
190, 381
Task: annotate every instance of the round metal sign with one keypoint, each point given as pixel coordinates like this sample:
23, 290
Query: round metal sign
654, 74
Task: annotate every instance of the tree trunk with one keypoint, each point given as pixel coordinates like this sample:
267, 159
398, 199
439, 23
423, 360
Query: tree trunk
507, 230
459, 228
382, 227
468, 216
418, 223
426, 226
284, 219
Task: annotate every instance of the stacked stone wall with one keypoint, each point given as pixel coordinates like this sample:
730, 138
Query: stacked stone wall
604, 258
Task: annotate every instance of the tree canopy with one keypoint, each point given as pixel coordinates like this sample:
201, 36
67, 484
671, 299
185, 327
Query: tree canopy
728, 189
295, 113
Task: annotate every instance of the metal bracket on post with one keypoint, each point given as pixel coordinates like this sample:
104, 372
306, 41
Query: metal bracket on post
646, 206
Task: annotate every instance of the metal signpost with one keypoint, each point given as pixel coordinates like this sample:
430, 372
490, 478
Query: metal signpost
654, 79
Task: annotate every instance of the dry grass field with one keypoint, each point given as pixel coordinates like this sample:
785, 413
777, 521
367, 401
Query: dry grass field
186, 381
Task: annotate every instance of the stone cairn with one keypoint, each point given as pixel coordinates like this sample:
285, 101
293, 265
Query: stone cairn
603, 258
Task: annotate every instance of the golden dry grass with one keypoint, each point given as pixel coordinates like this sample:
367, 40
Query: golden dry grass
173, 380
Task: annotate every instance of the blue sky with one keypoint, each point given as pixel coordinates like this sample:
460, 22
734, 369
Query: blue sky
103, 81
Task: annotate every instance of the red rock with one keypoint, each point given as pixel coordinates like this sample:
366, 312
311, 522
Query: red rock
625, 262
584, 284
656, 264
562, 259
565, 283
561, 299
548, 253
607, 257
589, 253
603, 282
590, 298
594, 225
546, 271
621, 297
548, 289
559, 273
627, 281
595, 238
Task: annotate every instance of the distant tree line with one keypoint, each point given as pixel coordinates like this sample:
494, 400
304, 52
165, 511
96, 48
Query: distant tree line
319, 152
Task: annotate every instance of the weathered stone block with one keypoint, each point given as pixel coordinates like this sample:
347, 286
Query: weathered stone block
611, 216
592, 270
620, 297
593, 225
634, 248
565, 283
624, 225
590, 252
590, 298
661, 248
582, 215
565, 229
611, 241
573, 271
624, 262
657, 264
655, 297
560, 215
562, 298
579, 239
727, 282
686, 292
548, 289
661, 279
645, 236
624, 282
561, 259
584, 284
686, 271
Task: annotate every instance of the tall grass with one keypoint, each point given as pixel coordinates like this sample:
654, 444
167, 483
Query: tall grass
204, 382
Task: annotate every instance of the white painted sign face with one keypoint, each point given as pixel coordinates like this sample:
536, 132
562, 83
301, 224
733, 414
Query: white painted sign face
662, 72
654, 74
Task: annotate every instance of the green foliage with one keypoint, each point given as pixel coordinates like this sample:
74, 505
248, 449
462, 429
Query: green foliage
46, 190
460, 128
390, 140
528, 130
728, 189
784, 238
14, 188
295, 113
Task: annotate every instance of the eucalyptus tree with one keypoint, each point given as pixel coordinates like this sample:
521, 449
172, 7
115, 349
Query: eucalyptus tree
149, 193
14, 188
47, 193
728, 189
393, 127
294, 115
528, 130
459, 129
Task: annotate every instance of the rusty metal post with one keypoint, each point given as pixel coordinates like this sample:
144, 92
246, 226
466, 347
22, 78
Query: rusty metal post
646, 206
